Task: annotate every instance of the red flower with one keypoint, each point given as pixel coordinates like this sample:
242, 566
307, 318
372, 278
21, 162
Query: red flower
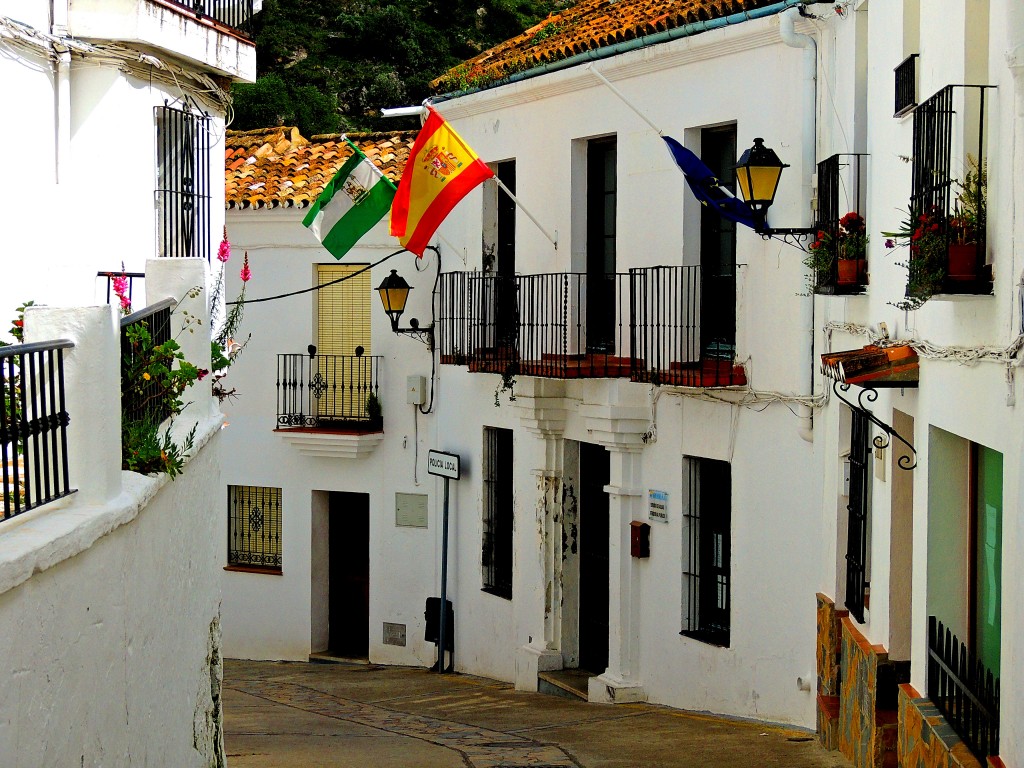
19, 323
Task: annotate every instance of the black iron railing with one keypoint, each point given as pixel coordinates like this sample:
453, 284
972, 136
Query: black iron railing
183, 182
537, 325
906, 86
938, 193
963, 690
841, 186
33, 425
130, 277
141, 400
329, 392
236, 14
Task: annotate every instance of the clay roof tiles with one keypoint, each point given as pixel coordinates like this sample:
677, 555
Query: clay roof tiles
585, 26
280, 168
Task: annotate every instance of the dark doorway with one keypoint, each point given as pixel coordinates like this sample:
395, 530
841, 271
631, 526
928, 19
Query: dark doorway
349, 601
718, 250
601, 204
595, 474
506, 306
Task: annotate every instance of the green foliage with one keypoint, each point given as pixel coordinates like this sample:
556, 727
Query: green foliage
145, 450
331, 65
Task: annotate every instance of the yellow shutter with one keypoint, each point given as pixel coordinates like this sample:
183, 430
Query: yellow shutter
343, 310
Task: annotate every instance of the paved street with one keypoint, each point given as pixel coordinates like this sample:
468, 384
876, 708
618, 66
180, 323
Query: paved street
285, 715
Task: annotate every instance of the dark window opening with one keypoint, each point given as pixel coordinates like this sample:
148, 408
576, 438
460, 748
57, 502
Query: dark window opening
708, 542
497, 512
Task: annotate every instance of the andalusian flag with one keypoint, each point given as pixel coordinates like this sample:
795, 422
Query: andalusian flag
353, 201
441, 170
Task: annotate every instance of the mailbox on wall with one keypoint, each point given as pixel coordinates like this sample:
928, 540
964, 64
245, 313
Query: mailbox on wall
639, 539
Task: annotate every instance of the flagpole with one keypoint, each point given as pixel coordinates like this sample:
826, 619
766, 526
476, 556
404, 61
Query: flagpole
507, 191
625, 101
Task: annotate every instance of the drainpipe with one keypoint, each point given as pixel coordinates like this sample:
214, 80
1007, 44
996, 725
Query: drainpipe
808, 140
1015, 61
62, 87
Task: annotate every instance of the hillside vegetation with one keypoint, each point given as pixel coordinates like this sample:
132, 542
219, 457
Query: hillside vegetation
330, 65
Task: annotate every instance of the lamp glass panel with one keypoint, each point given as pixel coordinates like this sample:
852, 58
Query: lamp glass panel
758, 182
394, 298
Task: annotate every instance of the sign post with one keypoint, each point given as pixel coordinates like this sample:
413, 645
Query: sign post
444, 465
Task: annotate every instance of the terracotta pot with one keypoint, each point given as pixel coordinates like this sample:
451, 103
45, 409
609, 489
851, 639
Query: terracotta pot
963, 262
847, 271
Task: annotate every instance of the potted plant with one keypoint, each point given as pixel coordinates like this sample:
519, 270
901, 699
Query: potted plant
373, 409
923, 234
967, 225
847, 249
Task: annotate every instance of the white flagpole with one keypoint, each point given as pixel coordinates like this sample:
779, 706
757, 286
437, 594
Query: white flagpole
625, 101
507, 191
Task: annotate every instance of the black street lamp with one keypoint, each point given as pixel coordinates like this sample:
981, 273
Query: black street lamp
757, 175
394, 293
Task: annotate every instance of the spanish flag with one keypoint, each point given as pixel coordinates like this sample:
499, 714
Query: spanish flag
441, 170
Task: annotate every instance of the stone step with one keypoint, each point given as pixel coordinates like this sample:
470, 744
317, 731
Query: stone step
567, 683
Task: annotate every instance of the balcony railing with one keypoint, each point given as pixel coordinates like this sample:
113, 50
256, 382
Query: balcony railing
644, 325
33, 426
951, 126
841, 186
331, 392
236, 14
131, 277
963, 690
906, 86
138, 400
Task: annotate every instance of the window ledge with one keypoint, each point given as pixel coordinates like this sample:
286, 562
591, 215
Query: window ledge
334, 445
497, 593
253, 569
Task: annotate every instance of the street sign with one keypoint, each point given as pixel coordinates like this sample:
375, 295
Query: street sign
443, 464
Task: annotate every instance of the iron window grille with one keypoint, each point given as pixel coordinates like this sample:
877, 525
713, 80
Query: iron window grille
707, 540
182, 182
906, 86
340, 392
963, 690
254, 527
935, 186
857, 518
497, 512
33, 426
841, 185
142, 400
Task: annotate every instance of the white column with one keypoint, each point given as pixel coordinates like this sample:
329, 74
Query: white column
92, 383
185, 280
620, 682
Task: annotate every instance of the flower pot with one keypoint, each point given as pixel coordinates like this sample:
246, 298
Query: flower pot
963, 262
847, 271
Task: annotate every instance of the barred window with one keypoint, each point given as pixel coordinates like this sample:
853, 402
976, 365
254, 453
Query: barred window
182, 182
254, 527
497, 512
857, 532
707, 540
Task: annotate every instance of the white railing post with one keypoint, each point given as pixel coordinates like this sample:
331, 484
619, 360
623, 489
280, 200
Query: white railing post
92, 384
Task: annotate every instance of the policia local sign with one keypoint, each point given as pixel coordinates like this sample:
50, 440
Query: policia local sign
443, 464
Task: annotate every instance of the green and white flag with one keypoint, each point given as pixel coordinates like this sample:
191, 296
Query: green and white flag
353, 201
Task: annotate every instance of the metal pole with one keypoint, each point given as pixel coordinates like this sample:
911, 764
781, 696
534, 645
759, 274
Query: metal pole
444, 582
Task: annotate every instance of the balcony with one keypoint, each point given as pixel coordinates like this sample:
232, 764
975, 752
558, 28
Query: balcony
215, 34
644, 325
328, 405
838, 258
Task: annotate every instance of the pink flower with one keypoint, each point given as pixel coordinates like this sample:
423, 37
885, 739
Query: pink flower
246, 273
126, 304
120, 285
224, 249
203, 373
890, 243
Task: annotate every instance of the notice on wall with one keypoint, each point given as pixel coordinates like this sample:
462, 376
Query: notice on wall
657, 505
411, 510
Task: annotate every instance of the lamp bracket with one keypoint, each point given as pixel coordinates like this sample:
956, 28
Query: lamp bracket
424, 335
870, 394
798, 237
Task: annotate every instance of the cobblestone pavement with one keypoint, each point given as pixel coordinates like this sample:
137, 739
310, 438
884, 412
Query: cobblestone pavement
279, 715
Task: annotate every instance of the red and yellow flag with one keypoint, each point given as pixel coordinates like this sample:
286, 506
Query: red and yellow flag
441, 170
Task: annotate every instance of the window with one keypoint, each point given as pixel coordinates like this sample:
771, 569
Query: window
182, 182
342, 379
254, 527
497, 512
602, 193
857, 522
718, 250
708, 543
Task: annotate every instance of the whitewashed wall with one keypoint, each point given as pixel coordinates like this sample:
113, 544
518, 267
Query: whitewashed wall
269, 616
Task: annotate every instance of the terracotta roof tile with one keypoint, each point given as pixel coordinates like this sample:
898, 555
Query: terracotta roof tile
280, 168
587, 25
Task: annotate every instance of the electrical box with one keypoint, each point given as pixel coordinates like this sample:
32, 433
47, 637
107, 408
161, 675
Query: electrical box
415, 388
639, 539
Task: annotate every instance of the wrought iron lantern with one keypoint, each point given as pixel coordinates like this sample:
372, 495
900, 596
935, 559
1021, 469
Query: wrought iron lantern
757, 175
394, 293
